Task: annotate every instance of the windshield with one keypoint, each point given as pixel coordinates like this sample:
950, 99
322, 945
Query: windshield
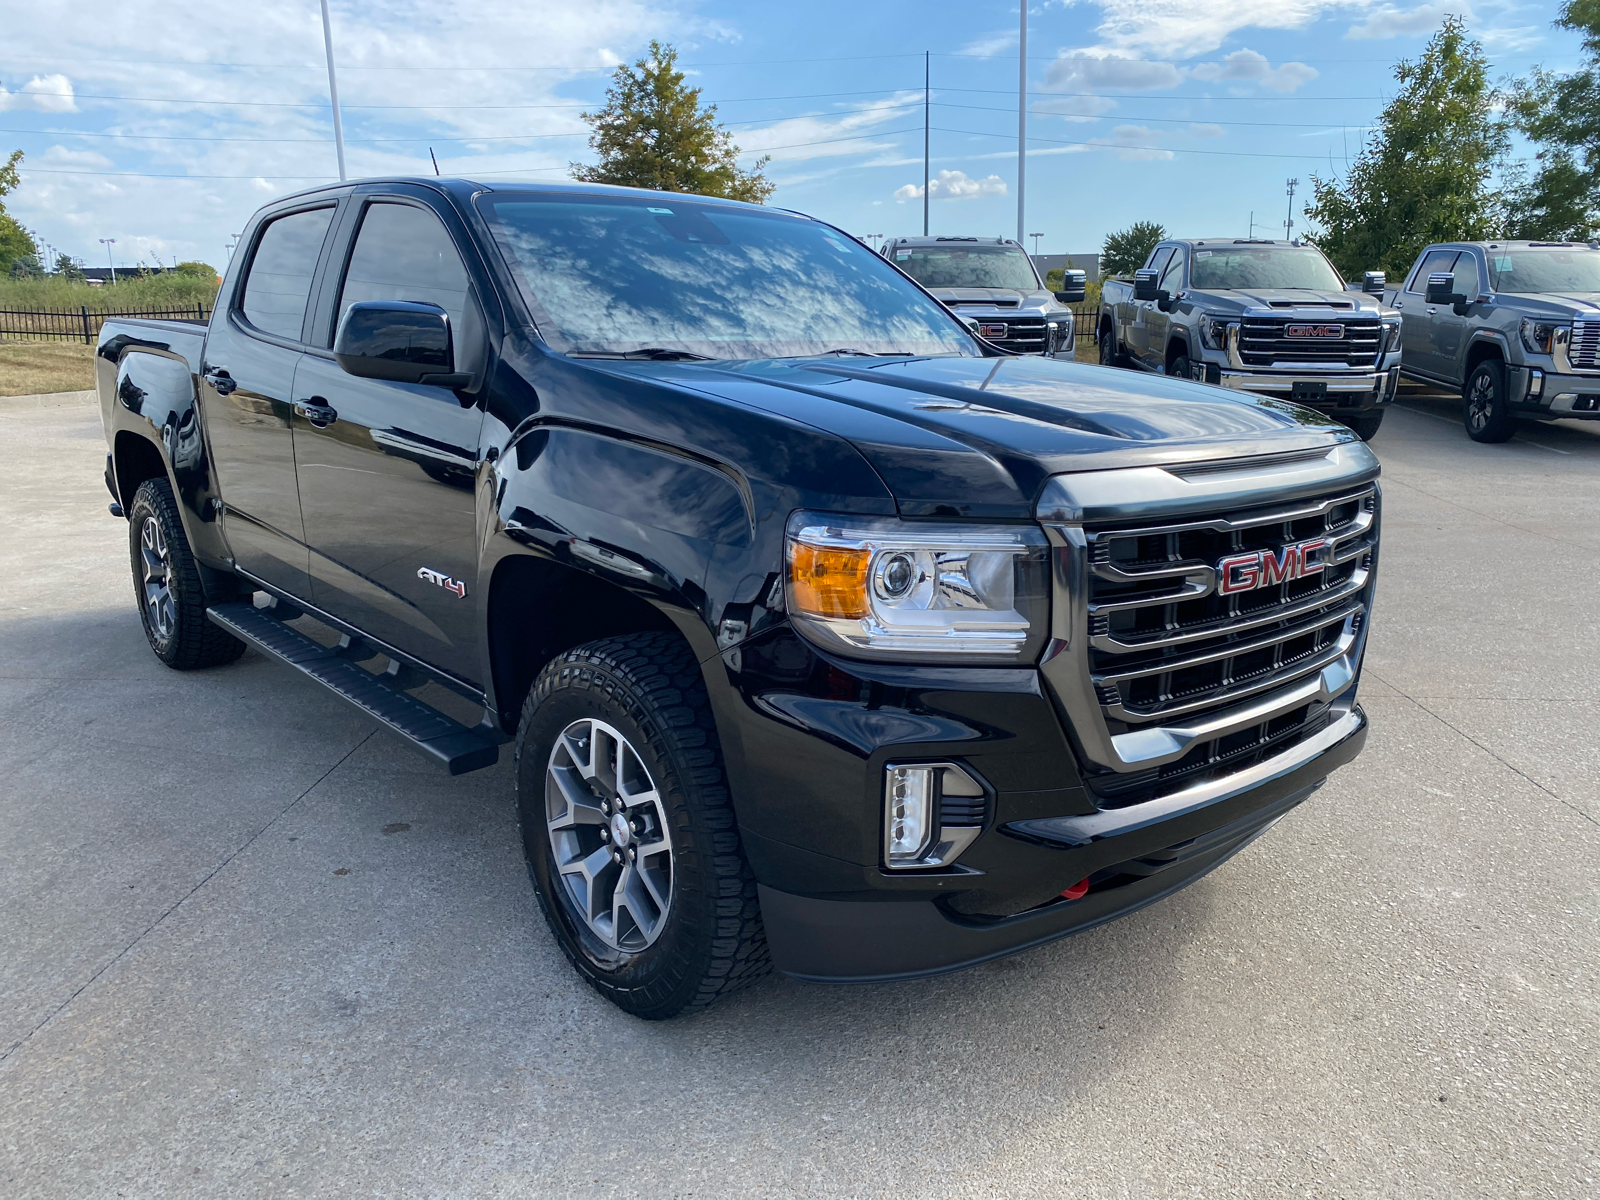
1544, 271
611, 274
1250, 267
968, 267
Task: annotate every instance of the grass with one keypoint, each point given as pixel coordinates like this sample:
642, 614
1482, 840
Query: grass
132, 293
29, 368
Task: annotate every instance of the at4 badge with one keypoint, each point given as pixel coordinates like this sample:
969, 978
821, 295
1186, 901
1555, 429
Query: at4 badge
443, 580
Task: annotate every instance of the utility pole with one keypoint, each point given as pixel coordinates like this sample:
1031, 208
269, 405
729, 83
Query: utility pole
1288, 225
1022, 123
333, 89
927, 73
108, 243
1036, 237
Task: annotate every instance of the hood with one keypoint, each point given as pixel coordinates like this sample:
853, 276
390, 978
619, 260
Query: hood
980, 436
1286, 301
959, 299
1556, 305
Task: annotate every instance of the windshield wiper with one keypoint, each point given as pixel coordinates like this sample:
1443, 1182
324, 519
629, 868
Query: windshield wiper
851, 353
655, 353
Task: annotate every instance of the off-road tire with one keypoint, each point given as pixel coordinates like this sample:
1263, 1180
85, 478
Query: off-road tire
1180, 368
1486, 411
1366, 425
189, 641
648, 687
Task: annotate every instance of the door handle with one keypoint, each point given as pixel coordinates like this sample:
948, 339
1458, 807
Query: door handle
1399, 303
1431, 311
320, 415
219, 379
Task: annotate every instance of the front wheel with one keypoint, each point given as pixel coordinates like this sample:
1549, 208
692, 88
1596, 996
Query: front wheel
1366, 425
1488, 416
628, 827
166, 583
1108, 348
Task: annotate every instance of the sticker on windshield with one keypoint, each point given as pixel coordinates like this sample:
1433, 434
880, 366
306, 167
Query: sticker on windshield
666, 211
1202, 254
902, 255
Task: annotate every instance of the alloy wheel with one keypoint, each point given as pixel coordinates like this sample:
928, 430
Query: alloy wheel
609, 835
1480, 401
157, 582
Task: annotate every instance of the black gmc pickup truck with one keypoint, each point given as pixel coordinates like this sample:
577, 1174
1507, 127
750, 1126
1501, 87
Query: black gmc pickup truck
828, 635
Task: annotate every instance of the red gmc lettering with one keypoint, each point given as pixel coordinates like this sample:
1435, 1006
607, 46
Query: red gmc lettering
1241, 573
1264, 568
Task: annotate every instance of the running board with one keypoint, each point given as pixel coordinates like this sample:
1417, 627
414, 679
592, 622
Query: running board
450, 744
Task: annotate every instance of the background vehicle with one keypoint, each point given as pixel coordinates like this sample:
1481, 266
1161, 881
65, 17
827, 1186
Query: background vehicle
806, 652
1514, 326
1271, 317
993, 282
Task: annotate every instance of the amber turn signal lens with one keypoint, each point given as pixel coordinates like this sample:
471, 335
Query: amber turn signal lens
825, 581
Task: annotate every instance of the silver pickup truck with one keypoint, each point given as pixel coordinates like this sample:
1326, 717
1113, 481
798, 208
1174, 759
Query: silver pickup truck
1271, 317
1513, 326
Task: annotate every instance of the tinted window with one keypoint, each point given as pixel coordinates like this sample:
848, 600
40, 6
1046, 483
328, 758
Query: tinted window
1466, 270
1172, 278
1158, 260
1544, 270
967, 266
404, 253
279, 283
1223, 268
609, 274
1438, 261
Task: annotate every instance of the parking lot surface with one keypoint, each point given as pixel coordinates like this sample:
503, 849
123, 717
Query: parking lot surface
250, 947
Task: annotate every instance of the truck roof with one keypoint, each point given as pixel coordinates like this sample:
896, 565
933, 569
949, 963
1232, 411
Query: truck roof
461, 186
948, 240
1226, 241
1517, 244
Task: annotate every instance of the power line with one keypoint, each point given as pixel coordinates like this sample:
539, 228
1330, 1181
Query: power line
1104, 145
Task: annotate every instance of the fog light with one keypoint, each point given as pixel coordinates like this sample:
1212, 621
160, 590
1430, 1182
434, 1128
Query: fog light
909, 801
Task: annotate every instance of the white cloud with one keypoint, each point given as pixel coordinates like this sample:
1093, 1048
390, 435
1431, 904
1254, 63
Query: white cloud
822, 136
1520, 37
1079, 70
60, 156
1132, 143
1184, 28
1393, 21
954, 185
1076, 108
1202, 130
990, 44
42, 93
1249, 66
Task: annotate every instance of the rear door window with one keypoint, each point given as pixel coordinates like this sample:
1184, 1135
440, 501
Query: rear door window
285, 261
1437, 261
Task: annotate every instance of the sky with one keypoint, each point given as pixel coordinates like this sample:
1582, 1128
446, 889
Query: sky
163, 124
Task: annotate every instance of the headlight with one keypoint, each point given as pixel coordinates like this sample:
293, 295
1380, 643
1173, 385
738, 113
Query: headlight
883, 588
1213, 332
1536, 335
1392, 342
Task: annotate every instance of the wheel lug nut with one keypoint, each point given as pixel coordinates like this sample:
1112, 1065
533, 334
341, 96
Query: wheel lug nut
616, 857
605, 834
637, 825
633, 853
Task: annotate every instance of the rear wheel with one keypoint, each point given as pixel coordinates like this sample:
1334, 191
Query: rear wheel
1487, 414
166, 583
1366, 425
628, 827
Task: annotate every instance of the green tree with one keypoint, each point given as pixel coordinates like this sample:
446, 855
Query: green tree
1561, 201
1125, 251
67, 268
652, 133
200, 270
16, 246
1425, 174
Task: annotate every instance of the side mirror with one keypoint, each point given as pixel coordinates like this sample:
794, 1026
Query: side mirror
1144, 285
1073, 287
1374, 283
1442, 288
400, 341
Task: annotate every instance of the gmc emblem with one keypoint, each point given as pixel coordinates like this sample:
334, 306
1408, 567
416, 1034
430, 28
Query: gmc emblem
1314, 331
992, 331
1263, 568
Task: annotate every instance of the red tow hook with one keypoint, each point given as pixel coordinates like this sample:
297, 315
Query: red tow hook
1077, 891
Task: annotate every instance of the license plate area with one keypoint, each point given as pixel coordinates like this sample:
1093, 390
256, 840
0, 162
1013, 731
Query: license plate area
1309, 391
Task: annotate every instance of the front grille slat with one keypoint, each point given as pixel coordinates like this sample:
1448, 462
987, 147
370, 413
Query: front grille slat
1167, 651
1584, 350
1264, 342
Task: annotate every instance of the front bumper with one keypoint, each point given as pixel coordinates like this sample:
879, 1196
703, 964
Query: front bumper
1358, 390
1132, 857
1557, 396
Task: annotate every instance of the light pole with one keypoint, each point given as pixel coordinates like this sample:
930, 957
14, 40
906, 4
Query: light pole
927, 76
108, 243
1036, 237
1288, 225
1022, 121
333, 89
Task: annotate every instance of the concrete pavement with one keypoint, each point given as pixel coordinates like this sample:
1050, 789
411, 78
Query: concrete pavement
249, 947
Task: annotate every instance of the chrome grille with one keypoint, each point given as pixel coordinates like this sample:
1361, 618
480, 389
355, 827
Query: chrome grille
1177, 683
1584, 349
1023, 335
1264, 341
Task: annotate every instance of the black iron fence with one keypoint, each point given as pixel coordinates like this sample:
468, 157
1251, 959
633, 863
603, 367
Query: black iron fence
81, 324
